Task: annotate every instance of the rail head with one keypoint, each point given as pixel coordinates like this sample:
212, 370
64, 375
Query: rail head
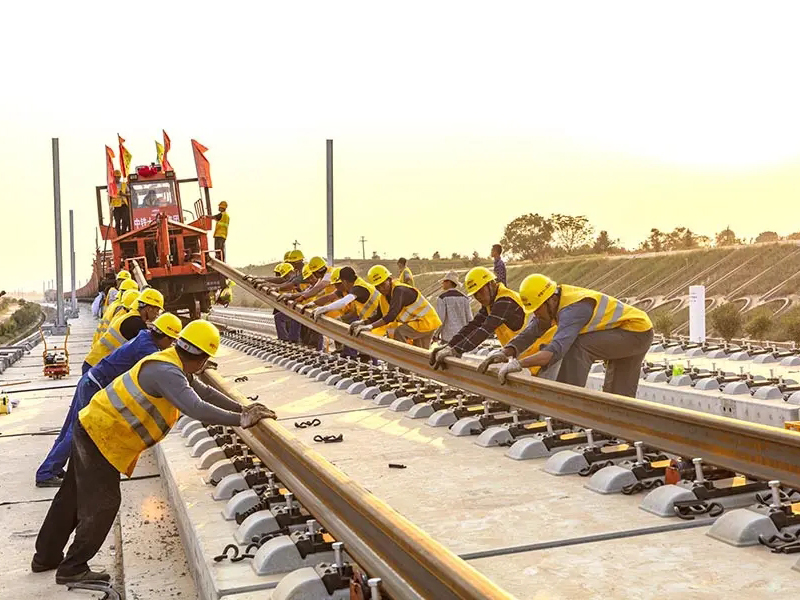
757, 450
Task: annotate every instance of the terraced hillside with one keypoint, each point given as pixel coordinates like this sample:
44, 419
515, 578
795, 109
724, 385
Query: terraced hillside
760, 279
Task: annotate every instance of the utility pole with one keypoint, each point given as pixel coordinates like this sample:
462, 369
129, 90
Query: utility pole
363, 252
329, 169
74, 297
295, 244
60, 325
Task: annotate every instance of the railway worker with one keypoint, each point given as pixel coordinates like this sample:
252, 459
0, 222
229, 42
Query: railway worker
111, 295
125, 327
499, 265
404, 275
158, 335
114, 309
589, 326
293, 281
502, 313
223, 219
319, 278
405, 314
119, 206
225, 296
132, 413
283, 273
453, 308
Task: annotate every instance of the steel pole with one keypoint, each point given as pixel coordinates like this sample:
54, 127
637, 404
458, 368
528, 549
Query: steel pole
329, 164
72, 263
60, 324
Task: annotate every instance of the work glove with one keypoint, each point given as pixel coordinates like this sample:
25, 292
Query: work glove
318, 312
361, 329
281, 297
253, 414
355, 325
439, 354
496, 356
512, 366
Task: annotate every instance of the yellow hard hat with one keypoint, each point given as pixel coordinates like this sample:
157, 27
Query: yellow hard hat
378, 274
117, 173
535, 290
306, 271
128, 284
168, 324
223, 204
295, 256
335, 275
124, 274
284, 269
129, 298
286, 255
152, 297
199, 337
477, 278
317, 263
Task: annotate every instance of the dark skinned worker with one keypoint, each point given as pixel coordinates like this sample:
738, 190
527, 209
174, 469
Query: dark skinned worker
404, 273
590, 326
502, 313
132, 413
282, 283
404, 311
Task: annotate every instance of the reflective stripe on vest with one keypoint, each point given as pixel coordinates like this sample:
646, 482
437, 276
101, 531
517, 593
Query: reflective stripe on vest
609, 312
419, 315
123, 420
504, 333
110, 340
221, 229
406, 277
368, 308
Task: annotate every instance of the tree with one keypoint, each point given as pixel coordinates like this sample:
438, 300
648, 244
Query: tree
767, 236
415, 256
793, 330
726, 237
528, 236
655, 242
455, 256
793, 236
683, 238
758, 327
476, 258
727, 321
570, 232
436, 256
664, 324
604, 244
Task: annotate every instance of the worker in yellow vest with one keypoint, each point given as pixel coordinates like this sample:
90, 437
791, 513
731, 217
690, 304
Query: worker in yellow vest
404, 275
119, 206
111, 293
354, 298
590, 326
132, 413
125, 327
223, 219
114, 309
405, 314
502, 314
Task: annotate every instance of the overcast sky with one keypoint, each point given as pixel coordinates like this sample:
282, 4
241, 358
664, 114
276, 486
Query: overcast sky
448, 119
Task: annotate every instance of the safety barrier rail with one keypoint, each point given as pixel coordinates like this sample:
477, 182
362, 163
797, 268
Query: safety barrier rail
757, 450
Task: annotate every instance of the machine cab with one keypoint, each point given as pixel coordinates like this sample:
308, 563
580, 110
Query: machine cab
152, 192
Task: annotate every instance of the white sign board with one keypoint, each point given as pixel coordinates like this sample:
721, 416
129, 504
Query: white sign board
697, 313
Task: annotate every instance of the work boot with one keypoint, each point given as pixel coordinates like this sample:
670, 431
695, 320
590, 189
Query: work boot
38, 567
87, 576
51, 482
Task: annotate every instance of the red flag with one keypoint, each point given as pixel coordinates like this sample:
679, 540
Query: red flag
111, 181
165, 163
201, 162
124, 158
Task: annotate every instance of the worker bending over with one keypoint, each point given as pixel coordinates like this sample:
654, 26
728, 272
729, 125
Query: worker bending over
113, 290
285, 283
158, 335
125, 327
223, 219
590, 326
114, 309
453, 308
404, 273
132, 413
354, 297
317, 282
502, 313
405, 313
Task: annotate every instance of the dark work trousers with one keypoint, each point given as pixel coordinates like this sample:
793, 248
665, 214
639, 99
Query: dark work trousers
219, 244
87, 503
119, 219
281, 327
406, 333
623, 351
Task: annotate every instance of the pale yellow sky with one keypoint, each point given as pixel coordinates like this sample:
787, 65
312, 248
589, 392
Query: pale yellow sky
449, 119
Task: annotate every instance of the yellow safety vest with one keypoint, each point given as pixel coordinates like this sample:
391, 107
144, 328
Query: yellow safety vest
406, 277
108, 293
110, 340
114, 309
221, 229
419, 315
609, 313
368, 308
123, 420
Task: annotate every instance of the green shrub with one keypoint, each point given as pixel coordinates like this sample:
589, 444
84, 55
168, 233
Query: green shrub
664, 324
726, 321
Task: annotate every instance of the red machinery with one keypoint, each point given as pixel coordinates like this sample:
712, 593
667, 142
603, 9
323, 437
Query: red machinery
170, 252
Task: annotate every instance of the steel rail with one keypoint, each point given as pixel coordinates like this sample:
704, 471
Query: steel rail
411, 564
757, 450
